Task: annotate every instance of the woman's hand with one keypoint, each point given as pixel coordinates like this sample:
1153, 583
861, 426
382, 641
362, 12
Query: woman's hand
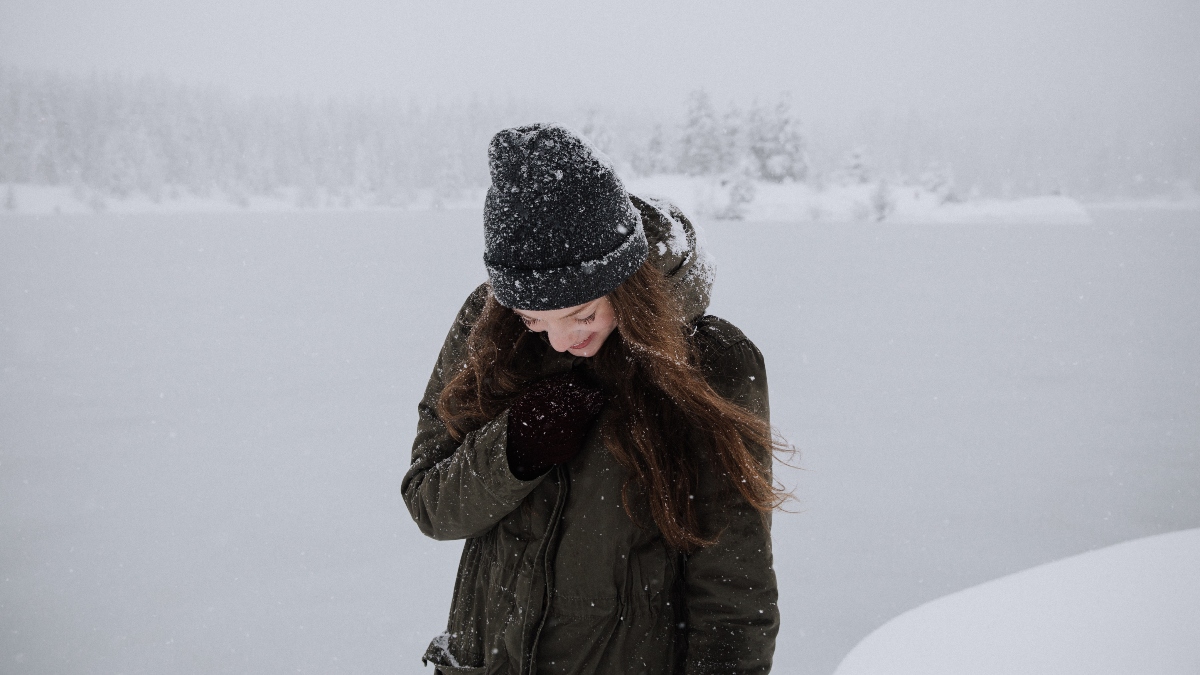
548, 422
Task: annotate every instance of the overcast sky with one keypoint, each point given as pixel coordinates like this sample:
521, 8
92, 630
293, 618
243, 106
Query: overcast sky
838, 58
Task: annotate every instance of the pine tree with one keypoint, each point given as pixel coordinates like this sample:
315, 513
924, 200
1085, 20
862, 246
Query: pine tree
882, 201
595, 130
653, 159
775, 143
703, 146
857, 168
730, 146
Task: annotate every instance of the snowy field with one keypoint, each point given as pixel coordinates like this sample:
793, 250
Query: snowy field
204, 420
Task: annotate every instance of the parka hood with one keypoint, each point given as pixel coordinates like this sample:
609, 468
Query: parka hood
675, 250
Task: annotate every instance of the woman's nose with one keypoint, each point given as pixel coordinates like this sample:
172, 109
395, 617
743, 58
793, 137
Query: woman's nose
561, 341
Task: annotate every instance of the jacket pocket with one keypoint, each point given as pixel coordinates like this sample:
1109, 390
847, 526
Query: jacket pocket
439, 655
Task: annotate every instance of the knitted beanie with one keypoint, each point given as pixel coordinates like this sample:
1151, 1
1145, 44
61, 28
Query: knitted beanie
559, 229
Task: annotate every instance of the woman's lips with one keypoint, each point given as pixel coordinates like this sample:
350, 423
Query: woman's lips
585, 343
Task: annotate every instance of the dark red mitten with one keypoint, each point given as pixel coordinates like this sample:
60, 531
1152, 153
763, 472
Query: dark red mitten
548, 422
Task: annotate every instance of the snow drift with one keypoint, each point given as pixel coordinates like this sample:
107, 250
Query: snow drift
1129, 608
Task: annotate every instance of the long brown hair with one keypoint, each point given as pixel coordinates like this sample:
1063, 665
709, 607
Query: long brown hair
651, 371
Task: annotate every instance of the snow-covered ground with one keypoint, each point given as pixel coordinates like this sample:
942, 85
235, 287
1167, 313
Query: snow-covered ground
700, 195
204, 419
27, 199
855, 202
1129, 608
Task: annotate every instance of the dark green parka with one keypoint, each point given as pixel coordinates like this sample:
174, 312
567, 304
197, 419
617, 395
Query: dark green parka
554, 576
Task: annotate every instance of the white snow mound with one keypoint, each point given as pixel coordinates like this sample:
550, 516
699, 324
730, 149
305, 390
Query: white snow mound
1129, 608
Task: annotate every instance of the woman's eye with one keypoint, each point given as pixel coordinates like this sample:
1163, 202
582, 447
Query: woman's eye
589, 319
526, 320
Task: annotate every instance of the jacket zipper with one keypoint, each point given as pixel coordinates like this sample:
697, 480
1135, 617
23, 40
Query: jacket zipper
544, 556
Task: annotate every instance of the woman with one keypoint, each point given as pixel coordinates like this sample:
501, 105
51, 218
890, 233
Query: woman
602, 445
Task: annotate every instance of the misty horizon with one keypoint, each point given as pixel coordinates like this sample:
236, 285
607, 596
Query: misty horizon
123, 135
1090, 99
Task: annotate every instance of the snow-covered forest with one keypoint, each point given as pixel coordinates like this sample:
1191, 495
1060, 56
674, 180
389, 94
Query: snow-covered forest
111, 137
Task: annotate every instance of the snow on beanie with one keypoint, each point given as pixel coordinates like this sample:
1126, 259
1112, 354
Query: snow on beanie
559, 228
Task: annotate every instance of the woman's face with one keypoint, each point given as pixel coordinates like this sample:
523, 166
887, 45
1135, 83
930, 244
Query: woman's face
580, 330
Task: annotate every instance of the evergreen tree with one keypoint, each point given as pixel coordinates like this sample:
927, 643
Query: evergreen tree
704, 144
595, 130
653, 159
883, 202
731, 146
775, 143
856, 168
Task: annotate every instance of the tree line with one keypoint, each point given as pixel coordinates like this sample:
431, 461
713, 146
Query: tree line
121, 136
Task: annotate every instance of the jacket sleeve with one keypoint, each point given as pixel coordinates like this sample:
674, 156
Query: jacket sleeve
456, 490
730, 594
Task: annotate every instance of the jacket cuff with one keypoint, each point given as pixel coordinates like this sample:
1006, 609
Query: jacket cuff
498, 478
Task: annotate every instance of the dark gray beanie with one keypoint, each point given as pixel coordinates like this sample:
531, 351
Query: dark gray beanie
559, 229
